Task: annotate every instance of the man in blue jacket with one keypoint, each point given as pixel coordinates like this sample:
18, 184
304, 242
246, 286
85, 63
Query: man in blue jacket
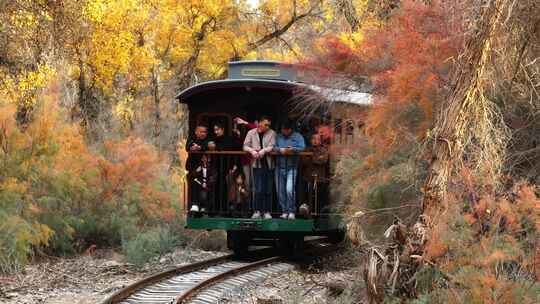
288, 143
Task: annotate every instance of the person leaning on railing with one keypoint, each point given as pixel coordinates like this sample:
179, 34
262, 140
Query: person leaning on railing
222, 141
197, 142
259, 142
288, 143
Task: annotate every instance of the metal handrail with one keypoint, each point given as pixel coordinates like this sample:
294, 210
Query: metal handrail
236, 152
225, 159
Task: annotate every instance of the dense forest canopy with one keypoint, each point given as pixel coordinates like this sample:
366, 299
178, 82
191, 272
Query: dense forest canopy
449, 157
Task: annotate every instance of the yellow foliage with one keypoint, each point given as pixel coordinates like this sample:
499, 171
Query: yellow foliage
22, 88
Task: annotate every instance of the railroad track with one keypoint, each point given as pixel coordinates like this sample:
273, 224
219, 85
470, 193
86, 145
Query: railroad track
208, 281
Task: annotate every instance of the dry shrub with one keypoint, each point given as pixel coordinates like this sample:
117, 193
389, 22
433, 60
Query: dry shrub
479, 248
58, 195
485, 245
132, 162
209, 240
407, 60
481, 241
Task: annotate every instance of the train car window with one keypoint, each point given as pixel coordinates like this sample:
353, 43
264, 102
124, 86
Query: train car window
349, 127
338, 126
349, 131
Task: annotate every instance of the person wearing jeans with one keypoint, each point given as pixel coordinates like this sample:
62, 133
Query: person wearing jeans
288, 144
259, 142
262, 183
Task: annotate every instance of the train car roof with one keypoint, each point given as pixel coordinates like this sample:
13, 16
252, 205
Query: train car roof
332, 95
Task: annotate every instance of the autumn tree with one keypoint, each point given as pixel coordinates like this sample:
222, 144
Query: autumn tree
476, 124
25, 52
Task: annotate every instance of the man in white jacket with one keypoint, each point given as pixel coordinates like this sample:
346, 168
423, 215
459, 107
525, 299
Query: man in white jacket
259, 142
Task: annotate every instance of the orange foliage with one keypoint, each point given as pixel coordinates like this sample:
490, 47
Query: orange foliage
53, 183
478, 235
407, 61
132, 162
435, 246
412, 71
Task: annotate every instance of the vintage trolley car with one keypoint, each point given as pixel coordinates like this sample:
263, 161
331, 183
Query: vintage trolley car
254, 88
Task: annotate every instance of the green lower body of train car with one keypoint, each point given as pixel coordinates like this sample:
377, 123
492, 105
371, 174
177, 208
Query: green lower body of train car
308, 226
288, 234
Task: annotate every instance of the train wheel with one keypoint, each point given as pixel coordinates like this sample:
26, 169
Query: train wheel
337, 236
238, 242
291, 246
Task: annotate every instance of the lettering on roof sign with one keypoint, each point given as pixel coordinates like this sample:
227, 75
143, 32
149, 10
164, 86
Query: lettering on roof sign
253, 72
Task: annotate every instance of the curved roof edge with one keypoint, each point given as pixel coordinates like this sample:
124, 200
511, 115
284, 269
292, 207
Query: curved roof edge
331, 94
233, 83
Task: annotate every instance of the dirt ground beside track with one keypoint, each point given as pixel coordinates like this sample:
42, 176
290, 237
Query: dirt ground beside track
85, 279
90, 279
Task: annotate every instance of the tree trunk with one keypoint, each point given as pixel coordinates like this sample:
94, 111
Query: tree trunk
157, 99
453, 124
88, 105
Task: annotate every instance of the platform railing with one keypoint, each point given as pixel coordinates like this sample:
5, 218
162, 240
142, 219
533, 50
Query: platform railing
310, 191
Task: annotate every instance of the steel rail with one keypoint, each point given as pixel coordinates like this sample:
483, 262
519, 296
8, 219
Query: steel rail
216, 270
184, 298
125, 292
315, 247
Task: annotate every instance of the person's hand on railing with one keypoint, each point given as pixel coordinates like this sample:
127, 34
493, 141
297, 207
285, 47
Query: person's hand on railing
195, 147
286, 151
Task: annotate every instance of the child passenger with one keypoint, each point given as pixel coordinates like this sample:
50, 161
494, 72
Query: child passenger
238, 195
204, 177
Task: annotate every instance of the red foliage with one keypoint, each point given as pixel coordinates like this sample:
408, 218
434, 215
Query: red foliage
134, 163
407, 61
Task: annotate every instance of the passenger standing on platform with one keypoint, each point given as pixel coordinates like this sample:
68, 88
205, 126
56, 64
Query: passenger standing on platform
289, 142
315, 177
259, 142
222, 163
198, 142
204, 178
223, 142
238, 193
238, 140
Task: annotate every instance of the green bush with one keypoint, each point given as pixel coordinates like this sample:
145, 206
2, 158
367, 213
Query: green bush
385, 195
18, 238
150, 244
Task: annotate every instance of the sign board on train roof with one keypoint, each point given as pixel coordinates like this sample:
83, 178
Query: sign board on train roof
261, 69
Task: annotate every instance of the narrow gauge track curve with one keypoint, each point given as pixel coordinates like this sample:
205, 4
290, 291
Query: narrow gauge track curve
193, 283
